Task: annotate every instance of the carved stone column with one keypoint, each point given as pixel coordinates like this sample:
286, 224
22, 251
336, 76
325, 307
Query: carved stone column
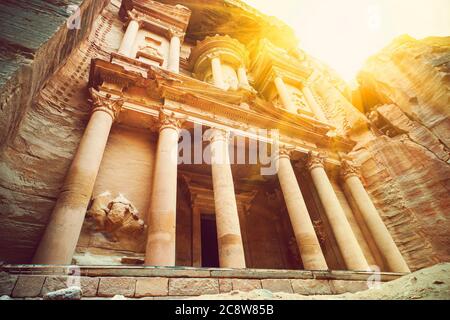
126, 46
160, 250
216, 67
315, 107
383, 239
285, 95
174, 51
242, 76
346, 240
231, 249
307, 241
63, 230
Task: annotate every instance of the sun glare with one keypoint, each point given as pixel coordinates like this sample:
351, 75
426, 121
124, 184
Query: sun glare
344, 33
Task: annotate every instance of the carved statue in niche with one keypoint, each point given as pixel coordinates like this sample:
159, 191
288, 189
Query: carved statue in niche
116, 218
229, 77
298, 98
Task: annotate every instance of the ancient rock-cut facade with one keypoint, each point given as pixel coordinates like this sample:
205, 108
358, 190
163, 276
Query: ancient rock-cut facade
89, 170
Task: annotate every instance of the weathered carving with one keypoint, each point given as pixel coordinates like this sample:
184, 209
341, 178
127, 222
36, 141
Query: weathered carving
285, 151
106, 103
168, 119
349, 169
173, 32
315, 160
115, 217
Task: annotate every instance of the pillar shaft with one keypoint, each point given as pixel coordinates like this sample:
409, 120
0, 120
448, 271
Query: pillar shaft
346, 240
242, 76
375, 224
217, 72
160, 250
174, 54
63, 230
315, 107
285, 95
307, 241
231, 249
129, 38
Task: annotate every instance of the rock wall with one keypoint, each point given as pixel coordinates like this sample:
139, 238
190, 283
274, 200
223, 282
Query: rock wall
44, 110
405, 90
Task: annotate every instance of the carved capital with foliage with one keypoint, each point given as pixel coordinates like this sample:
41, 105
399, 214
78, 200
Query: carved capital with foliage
106, 103
285, 151
169, 120
315, 160
349, 169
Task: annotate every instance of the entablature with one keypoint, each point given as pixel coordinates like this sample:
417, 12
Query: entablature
205, 104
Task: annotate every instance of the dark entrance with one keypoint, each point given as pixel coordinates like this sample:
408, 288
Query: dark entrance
210, 249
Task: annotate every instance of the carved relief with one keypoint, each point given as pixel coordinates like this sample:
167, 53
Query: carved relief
349, 169
285, 151
315, 160
230, 77
116, 218
168, 119
106, 103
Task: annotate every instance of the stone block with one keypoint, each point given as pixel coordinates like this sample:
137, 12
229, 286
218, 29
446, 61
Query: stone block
193, 287
311, 287
151, 287
225, 285
7, 282
88, 285
28, 286
111, 286
71, 293
246, 285
343, 286
277, 285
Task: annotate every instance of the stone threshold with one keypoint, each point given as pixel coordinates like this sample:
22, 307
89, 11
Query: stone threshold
189, 272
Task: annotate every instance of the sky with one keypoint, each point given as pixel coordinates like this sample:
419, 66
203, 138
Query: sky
344, 33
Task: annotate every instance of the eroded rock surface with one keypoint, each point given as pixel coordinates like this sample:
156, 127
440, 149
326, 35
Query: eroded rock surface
405, 165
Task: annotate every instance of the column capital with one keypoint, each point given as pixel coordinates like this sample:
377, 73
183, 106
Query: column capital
285, 151
106, 103
174, 32
349, 169
167, 119
135, 16
214, 134
315, 160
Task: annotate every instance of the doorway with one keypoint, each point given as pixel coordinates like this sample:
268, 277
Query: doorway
210, 248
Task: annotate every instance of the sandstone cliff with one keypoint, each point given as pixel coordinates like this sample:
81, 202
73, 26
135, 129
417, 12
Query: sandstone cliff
405, 91
43, 110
